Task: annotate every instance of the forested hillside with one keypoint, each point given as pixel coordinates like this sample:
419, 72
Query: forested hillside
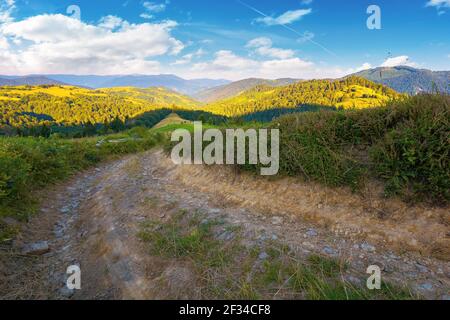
29, 106
409, 80
352, 92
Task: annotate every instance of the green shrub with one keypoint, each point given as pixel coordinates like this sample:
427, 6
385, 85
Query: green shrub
27, 164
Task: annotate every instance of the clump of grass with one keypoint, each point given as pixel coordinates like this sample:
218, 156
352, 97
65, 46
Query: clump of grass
231, 271
186, 236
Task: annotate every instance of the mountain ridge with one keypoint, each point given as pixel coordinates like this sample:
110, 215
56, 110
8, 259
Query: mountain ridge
169, 81
407, 79
235, 88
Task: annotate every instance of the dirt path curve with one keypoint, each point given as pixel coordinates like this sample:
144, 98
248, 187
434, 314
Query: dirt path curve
93, 221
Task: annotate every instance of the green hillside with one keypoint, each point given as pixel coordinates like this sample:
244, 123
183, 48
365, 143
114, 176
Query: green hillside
409, 80
353, 92
29, 106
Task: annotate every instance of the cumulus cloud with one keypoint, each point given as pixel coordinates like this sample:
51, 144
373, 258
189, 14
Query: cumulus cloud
263, 47
286, 18
57, 43
6, 9
398, 61
438, 3
229, 65
154, 7
187, 58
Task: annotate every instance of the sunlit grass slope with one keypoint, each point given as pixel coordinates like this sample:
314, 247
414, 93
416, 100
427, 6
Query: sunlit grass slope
352, 92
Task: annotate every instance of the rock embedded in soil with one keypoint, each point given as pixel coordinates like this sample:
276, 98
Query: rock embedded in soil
36, 248
311, 233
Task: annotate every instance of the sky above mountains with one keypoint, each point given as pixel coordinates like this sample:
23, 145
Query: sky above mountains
231, 39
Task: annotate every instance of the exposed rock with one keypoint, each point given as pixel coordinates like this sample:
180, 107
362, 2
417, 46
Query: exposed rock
66, 292
263, 256
36, 248
353, 280
367, 247
426, 286
421, 268
277, 220
311, 233
65, 210
329, 250
226, 236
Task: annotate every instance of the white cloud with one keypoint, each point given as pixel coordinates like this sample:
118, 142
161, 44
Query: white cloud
286, 18
6, 9
365, 66
146, 16
187, 58
57, 43
112, 22
229, 65
286, 68
398, 61
154, 7
263, 47
438, 3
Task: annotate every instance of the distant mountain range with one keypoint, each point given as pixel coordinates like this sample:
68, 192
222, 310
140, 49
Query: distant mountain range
402, 79
27, 80
139, 81
409, 80
238, 87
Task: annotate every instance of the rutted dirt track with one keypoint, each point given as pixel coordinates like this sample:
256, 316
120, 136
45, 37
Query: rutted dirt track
93, 221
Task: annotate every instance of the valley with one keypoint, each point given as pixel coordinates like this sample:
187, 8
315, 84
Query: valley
87, 180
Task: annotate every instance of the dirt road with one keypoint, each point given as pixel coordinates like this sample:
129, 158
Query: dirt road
94, 220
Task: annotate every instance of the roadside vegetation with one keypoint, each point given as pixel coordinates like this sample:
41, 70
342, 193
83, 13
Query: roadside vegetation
29, 164
226, 269
405, 144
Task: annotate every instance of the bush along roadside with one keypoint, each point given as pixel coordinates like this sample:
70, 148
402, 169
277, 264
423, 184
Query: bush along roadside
405, 144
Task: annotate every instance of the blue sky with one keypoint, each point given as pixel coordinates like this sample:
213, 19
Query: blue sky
230, 39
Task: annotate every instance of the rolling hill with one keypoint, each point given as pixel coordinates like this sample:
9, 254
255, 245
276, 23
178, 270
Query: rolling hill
352, 92
28, 106
409, 80
237, 87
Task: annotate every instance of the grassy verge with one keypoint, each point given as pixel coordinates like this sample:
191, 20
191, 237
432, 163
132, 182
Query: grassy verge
228, 270
29, 164
404, 144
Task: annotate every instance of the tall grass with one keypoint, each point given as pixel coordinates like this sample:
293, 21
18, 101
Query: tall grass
405, 143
